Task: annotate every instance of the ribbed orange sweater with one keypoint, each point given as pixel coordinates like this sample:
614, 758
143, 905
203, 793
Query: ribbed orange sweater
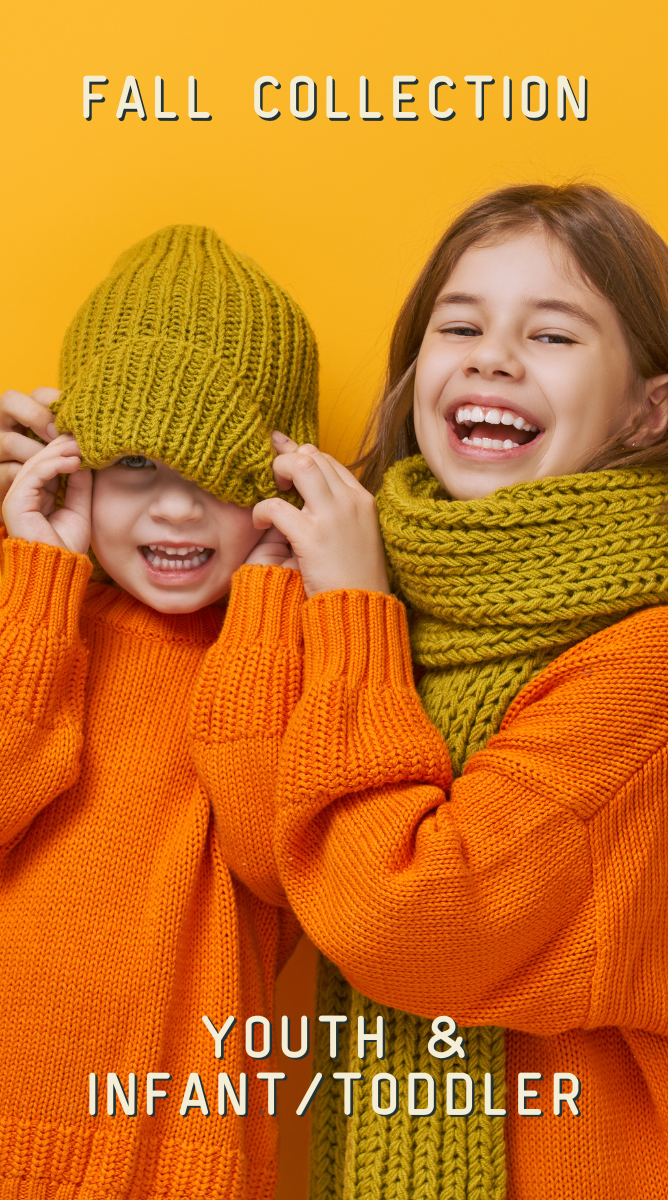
530, 893
123, 733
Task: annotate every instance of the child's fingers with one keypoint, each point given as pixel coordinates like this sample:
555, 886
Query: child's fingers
272, 550
78, 493
8, 473
29, 412
272, 535
306, 473
287, 519
282, 445
45, 395
343, 472
331, 468
15, 447
338, 477
61, 457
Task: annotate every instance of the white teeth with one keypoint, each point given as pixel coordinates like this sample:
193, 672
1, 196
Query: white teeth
490, 443
176, 560
492, 416
180, 551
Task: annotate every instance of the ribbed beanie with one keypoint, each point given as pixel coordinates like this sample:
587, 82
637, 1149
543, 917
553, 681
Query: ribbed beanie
189, 353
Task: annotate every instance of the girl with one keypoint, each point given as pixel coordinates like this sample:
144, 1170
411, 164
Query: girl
501, 859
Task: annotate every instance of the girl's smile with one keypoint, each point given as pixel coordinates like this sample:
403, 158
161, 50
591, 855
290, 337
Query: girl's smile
479, 423
524, 370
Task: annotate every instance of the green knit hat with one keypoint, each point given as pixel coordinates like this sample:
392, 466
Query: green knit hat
187, 352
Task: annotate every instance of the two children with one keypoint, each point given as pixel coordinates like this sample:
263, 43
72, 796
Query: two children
493, 848
131, 714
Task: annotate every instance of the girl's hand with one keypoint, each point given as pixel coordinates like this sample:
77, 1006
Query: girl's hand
272, 550
19, 412
335, 537
29, 510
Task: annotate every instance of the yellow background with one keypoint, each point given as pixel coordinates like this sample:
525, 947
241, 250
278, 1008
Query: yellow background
342, 213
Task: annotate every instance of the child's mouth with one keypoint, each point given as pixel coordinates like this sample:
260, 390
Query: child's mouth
173, 561
492, 427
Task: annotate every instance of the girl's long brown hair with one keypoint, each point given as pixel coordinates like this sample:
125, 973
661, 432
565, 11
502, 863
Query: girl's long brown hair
618, 253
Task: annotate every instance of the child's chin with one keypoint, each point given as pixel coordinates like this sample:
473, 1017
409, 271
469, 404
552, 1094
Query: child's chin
177, 601
172, 602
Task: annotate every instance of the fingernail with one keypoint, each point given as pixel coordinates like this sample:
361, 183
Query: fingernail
51, 430
279, 437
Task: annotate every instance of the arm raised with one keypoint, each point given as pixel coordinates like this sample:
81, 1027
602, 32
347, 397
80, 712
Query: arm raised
527, 893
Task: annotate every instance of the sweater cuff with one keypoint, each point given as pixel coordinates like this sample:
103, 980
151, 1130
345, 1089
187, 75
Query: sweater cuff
361, 637
265, 605
42, 585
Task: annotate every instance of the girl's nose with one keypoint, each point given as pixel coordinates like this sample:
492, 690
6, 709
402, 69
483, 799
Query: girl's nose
493, 357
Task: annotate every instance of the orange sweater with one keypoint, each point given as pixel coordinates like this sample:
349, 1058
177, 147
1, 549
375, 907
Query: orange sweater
530, 893
123, 732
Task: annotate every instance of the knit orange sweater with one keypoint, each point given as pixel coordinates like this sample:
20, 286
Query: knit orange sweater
123, 733
530, 893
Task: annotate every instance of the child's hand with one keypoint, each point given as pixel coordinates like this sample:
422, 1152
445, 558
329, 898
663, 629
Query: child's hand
29, 510
335, 537
19, 412
272, 550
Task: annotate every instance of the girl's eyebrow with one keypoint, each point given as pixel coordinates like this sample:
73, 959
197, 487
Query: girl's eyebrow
560, 306
457, 298
569, 310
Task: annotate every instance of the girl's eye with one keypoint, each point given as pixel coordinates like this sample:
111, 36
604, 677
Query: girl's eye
555, 339
135, 461
462, 330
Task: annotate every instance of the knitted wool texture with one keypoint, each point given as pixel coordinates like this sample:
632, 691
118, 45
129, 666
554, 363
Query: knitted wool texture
497, 588
189, 353
123, 734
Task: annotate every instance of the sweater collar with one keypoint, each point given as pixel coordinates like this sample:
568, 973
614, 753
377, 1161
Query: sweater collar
111, 606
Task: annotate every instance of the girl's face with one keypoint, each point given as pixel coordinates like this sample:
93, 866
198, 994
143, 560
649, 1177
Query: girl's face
523, 372
165, 540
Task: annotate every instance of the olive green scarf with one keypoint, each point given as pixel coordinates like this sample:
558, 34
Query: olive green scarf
496, 589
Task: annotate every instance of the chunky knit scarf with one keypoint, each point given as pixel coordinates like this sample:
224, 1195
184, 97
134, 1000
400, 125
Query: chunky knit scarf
496, 589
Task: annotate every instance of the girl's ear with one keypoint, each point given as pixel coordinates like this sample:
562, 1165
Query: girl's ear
655, 423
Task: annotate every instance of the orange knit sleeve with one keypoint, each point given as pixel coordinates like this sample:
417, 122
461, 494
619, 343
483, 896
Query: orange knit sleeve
42, 674
531, 892
248, 687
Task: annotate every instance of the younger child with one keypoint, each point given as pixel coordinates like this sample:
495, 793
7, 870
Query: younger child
129, 714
